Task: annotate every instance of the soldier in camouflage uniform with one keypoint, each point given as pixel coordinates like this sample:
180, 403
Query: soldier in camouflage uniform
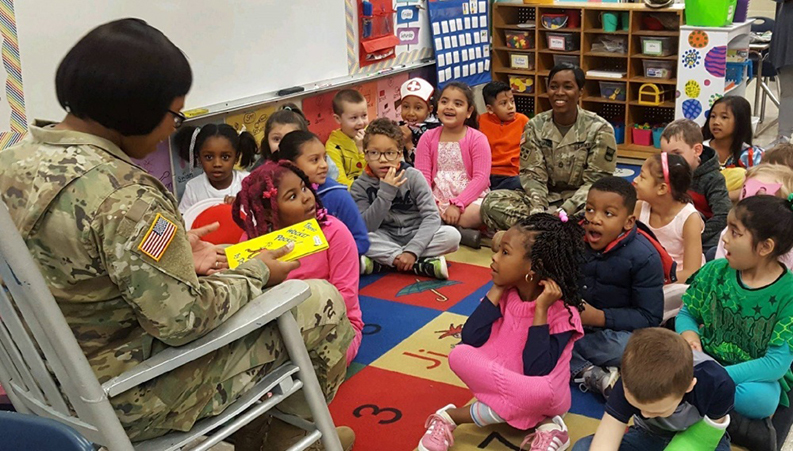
556, 168
112, 247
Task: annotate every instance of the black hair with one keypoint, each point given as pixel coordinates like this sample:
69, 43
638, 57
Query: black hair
556, 252
742, 129
123, 75
288, 114
620, 186
679, 175
243, 143
491, 91
469, 96
292, 143
580, 79
768, 217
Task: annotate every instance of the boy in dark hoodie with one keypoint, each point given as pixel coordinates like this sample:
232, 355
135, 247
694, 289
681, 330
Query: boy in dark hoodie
708, 189
396, 203
623, 280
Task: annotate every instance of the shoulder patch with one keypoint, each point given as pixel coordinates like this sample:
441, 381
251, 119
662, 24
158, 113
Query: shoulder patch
610, 154
158, 237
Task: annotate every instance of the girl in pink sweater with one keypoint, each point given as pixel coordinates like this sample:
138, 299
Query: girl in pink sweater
516, 346
455, 160
278, 195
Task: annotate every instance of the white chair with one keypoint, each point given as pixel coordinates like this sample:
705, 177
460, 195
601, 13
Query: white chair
59, 383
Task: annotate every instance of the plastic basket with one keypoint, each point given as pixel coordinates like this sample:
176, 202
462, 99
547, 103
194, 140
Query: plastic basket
710, 13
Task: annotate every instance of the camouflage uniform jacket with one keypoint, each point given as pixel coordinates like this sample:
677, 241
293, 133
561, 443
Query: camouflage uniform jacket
84, 210
555, 167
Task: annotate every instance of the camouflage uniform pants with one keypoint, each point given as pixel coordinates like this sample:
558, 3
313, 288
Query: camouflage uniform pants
206, 386
501, 209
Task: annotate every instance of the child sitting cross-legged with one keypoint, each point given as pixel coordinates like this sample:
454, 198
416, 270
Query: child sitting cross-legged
679, 400
397, 206
516, 345
623, 284
739, 310
279, 195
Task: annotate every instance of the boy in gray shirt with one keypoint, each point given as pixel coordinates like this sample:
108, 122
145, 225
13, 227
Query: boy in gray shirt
398, 209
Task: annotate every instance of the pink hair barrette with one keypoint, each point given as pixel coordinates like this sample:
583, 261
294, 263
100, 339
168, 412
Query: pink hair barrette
272, 192
563, 216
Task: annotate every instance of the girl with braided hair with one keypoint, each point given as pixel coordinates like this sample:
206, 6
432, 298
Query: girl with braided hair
278, 195
516, 346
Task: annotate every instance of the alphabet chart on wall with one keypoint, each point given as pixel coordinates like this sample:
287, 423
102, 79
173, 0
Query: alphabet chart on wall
461, 40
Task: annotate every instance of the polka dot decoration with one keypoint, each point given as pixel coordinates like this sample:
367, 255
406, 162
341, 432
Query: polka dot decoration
698, 39
716, 61
692, 109
707, 82
692, 89
691, 59
713, 99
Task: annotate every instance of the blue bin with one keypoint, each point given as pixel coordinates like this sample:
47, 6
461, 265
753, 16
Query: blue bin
657, 131
619, 132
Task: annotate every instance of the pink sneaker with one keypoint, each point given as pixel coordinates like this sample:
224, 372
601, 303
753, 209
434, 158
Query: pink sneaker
439, 435
549, 437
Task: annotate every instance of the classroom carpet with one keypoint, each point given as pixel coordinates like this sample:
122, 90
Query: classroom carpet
401, 374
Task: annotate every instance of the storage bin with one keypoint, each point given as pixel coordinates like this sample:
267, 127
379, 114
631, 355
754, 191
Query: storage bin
619, 132
522, 61
710, 13
522, 40
657, 132
642, 137
612, 90
658, 69
572, 59
563, 41
657, 46
736, 72
553, 21
521, 84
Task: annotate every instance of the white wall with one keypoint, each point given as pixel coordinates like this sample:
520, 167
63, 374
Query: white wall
237, 48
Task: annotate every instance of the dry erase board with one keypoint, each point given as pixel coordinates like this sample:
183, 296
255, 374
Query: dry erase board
461, 40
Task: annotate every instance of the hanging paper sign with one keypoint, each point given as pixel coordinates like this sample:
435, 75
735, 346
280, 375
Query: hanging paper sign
408, 35
407, 14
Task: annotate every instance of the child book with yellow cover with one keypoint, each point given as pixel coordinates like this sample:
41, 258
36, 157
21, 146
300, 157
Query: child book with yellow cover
307, 237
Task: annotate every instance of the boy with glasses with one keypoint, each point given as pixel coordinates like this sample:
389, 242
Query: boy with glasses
397, 206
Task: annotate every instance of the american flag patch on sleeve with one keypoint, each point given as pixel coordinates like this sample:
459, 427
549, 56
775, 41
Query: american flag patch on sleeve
158, 237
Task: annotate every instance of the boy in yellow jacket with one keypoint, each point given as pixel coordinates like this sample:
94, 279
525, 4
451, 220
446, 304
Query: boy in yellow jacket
345, 145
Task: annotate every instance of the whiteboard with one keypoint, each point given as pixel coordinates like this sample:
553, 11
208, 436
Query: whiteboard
236, 48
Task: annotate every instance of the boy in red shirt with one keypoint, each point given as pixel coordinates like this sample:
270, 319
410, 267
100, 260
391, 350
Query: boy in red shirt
503, 127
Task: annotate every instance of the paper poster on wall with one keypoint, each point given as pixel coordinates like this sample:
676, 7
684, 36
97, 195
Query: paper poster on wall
253, 121
408, 35
158, 164
388, 96
319, 112
407, 14
369, 92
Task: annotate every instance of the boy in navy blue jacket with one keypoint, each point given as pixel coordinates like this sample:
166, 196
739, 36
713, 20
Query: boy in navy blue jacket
622, 284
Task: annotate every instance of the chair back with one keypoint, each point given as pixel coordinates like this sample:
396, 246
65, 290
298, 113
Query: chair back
42, 367
20, 431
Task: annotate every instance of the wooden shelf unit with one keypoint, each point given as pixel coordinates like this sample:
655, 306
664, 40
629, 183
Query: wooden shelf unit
506, 16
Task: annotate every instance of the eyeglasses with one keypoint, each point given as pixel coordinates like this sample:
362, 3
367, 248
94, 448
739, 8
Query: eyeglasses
178, 118
373, 155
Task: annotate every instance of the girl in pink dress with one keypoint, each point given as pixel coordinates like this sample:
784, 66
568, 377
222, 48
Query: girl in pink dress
278, 195
455, 160
516, 346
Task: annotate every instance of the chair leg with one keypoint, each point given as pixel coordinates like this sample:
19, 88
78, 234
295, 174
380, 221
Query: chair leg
293, 340
765, 98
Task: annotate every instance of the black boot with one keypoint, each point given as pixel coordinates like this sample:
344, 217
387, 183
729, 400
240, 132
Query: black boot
470, 237
756, 435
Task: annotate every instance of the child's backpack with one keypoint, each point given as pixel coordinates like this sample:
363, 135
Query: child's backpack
670, 266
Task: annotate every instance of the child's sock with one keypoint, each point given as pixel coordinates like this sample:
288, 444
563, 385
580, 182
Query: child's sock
443, 414
483, 415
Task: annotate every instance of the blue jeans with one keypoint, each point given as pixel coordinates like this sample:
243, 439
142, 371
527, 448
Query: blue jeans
639, 439
504, 182
599, 347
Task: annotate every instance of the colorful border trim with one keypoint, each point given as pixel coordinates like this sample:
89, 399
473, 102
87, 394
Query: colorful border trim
13, 67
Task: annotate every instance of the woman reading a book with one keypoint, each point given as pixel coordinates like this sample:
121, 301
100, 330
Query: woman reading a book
279, 195
563, 152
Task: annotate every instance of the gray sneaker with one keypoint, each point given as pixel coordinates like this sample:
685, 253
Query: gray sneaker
432, 267
598, 380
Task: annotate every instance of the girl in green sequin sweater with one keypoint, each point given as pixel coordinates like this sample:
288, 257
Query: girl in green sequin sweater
739, 310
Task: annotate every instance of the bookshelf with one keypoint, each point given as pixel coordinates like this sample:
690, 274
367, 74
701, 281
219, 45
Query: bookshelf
507, 16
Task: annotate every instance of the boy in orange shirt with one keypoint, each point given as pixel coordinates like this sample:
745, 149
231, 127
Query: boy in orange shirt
504, 130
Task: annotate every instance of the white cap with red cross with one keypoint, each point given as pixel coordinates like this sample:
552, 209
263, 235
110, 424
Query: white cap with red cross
417, 87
